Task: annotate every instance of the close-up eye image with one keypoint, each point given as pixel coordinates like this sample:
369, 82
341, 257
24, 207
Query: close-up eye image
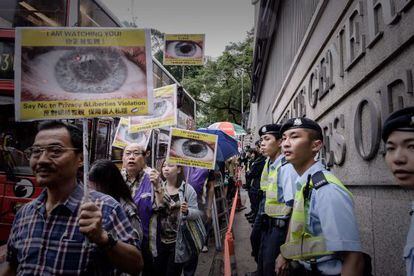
161, 108
128, 137
82, 73
163, 113
183, 49
192, 149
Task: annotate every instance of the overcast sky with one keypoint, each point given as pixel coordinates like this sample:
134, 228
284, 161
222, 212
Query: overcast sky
222, 21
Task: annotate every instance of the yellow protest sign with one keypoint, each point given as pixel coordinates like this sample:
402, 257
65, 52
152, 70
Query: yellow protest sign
69, 73
123, 137
184, 49
191, 148
164, 114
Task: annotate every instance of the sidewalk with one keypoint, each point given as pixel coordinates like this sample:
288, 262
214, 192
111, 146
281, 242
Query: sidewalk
242, 230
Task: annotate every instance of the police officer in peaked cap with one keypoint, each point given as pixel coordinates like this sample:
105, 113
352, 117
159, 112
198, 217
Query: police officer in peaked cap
398, 136
323, 234
276, 182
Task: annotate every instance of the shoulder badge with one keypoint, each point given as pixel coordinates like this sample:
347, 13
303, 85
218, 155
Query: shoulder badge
319, 180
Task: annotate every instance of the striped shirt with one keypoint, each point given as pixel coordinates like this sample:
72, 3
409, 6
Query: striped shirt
52, 245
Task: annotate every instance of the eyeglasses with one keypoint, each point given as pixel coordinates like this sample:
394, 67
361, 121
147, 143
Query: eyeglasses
133, 153
52, 151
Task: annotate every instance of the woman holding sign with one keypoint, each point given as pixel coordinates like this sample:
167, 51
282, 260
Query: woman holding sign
176, 203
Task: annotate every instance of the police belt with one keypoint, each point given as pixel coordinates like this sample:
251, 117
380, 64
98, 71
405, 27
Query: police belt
269, 222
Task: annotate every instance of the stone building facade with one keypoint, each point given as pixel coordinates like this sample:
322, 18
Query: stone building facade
347, 65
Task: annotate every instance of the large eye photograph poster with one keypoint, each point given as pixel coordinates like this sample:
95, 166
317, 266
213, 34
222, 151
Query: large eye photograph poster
191, 148
164, 113
123, 137
184, 49
69, 73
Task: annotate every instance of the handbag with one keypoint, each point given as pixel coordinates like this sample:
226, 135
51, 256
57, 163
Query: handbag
194, 234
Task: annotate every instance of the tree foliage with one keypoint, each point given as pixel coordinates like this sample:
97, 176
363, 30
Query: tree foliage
217, 86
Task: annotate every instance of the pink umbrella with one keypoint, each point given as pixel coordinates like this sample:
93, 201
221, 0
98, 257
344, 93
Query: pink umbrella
229, 128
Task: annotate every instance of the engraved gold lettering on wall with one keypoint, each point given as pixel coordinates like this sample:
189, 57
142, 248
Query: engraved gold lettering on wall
355, 38
339, 141
367, 142
360, 123
334, 150
313, 88
326, 82
341, 56
299, 105
326, 153
397, 94
380, 12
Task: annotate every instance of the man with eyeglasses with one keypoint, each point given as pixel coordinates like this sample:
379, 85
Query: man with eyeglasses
60, 232
133, 164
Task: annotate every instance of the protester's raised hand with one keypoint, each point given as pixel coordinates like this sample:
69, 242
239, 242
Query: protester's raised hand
90, 222
155, 178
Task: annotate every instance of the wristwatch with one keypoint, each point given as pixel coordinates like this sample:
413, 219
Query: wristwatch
112, 241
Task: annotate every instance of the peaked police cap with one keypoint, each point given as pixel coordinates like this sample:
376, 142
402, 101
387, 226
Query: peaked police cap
302, 123
273, 129
402, 120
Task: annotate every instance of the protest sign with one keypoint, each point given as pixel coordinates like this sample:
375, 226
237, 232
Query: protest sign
124, 138
69, 73
165, 111
191, 148
184, 49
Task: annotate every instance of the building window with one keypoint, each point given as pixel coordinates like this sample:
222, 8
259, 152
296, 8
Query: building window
15, 13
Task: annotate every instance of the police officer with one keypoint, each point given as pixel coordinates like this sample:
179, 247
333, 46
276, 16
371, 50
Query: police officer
398, 136
323, 232
253, 177
277, 184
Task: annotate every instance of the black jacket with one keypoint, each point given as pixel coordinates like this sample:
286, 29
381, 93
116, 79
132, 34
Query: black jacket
256, 168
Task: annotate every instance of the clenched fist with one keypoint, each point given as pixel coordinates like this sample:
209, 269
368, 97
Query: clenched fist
90, 222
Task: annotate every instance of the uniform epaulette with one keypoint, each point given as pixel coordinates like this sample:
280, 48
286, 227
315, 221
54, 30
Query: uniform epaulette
319, 180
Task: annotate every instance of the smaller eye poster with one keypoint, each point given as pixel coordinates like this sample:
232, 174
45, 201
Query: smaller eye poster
164, 114
192, 149
70, 73
123, 137
184, 49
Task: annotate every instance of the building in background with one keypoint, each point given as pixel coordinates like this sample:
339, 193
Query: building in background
347, 65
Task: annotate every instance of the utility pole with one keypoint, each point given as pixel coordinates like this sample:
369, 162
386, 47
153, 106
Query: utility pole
242, 75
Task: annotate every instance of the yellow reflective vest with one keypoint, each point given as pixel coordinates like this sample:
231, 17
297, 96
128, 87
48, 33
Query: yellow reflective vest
264, 178
274, 208
301, 244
